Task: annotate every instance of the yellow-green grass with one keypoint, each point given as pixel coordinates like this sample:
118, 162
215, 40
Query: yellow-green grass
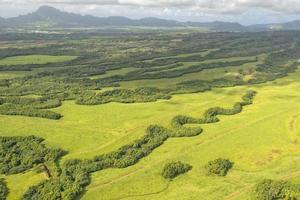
19, 184
34, 59
10, 75
263, 141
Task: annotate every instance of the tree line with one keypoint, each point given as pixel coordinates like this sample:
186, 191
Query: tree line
75, 177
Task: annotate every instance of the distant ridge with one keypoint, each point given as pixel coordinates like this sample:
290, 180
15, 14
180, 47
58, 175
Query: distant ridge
47, 16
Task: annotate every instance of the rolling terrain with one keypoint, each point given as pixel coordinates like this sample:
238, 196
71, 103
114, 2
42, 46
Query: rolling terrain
114, 107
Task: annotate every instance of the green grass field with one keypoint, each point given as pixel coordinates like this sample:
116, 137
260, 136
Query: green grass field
262, 141
9, 75
34, 59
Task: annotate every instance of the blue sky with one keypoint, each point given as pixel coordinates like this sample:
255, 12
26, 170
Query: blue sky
242, 11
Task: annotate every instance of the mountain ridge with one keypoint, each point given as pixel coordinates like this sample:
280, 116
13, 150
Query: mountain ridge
47, 16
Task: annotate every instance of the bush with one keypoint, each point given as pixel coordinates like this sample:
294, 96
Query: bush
274, 190
3, 190
174, 169
219, 167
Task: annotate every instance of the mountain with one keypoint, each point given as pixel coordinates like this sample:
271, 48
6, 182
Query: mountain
2, 22
293, 25
47, 16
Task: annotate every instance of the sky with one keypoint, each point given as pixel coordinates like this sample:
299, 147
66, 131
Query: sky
243, 11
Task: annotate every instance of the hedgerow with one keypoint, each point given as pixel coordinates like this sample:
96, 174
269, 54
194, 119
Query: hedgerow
138, 95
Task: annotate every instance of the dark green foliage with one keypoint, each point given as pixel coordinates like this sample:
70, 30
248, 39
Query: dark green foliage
138, 95
174, 169
48, 190
18, 154
39, 103
31, 107
275, 190
3, 190
179, 130
13, 109
210, 116
219, 167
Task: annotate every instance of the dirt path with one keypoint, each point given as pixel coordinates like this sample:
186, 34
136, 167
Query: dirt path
292, 121
115, 179
146, 194
238, 193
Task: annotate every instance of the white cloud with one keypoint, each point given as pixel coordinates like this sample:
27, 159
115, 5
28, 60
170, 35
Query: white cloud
199, 10
213, 6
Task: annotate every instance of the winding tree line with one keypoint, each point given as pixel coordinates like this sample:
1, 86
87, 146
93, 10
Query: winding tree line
210, 116
75, 174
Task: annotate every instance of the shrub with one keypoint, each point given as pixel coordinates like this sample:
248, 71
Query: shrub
173, 169
219, 167
3, 190
274, 190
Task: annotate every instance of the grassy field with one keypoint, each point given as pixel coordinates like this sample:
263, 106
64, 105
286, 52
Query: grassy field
34, 59
262, 141
10, 75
